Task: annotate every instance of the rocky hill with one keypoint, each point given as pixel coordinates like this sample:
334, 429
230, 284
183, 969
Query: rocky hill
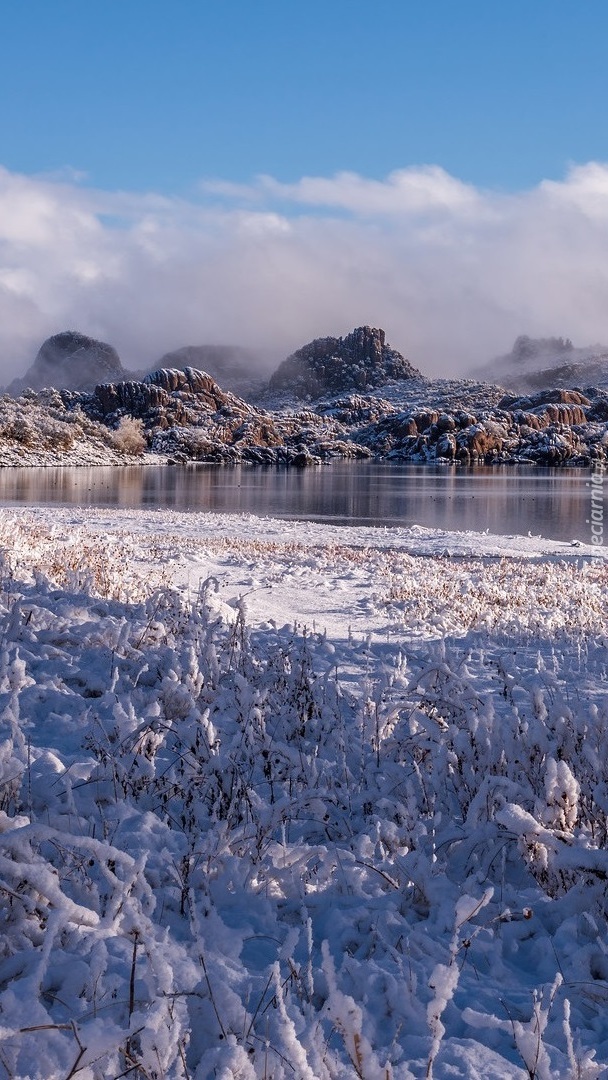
171, 396
360, 361
73, 361
185, 416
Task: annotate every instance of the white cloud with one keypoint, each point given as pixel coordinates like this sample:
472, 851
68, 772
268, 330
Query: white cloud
585, 190
452, 273
426, 190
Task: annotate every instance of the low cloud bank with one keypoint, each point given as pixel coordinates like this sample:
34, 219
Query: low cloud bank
453, 273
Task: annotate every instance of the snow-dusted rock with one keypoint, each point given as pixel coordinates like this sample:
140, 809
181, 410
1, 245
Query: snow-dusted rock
358, 361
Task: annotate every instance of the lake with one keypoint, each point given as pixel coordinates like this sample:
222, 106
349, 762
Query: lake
553, 503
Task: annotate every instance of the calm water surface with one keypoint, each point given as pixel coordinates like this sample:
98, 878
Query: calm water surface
547, 502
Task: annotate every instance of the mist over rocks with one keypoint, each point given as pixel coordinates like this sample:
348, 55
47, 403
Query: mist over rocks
329, 365
73, 361
234, 367
181, 414
542, 363
527, 349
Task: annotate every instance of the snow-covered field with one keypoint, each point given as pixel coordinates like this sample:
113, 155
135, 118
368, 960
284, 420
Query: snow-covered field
282, 800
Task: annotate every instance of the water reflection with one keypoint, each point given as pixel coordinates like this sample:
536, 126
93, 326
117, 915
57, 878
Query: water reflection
548, 502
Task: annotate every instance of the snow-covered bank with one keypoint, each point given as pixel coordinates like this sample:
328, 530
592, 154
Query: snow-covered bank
287, 800
332, 579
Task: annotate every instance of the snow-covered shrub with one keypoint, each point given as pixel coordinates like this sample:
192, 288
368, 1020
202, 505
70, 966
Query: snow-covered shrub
129, 435
36, 429
39, 424
17, 430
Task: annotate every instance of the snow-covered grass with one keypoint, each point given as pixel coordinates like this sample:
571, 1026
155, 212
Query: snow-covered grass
287, 801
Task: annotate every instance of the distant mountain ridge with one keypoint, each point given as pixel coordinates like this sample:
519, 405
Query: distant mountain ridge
540, 363
360, 361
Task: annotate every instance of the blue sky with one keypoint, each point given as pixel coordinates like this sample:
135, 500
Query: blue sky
152, 94
266, 172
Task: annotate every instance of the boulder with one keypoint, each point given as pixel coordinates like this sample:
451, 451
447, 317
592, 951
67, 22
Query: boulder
482, 440
555, 448
446, 446
445, 423
425, 420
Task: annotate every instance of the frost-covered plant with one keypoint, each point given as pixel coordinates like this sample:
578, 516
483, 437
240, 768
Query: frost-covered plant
129, 435
444, 978
527, 1035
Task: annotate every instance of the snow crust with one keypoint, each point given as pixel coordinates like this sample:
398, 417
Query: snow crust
284, 800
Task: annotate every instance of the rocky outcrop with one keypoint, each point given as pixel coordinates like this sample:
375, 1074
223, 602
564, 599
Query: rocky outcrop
361, 360
70, 361
186, 416
494, 436
191, 381
555, 406
173, 392
582, 373
129, 397
527, 348
543, 397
